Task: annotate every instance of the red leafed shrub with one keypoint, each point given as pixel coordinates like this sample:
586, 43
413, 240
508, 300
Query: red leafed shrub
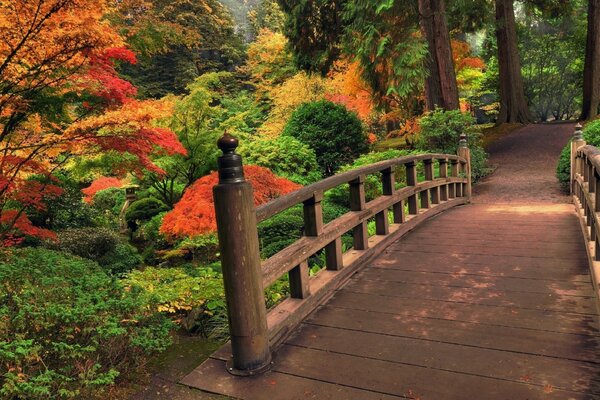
101, 184
195, 213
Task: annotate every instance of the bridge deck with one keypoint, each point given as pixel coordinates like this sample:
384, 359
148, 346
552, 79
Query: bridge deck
484, 301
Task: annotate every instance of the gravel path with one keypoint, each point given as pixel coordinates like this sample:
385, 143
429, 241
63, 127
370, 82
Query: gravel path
525, 162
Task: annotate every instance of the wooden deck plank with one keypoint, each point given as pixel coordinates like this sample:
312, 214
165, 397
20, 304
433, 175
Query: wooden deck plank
481, 281
546, 320
510, 366
561, 250
274, 385
410, 381
550, 344
509, 261
536, 301
573, 274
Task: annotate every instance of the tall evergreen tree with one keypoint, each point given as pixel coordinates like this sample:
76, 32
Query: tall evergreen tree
513, 105
440, 86
591, 70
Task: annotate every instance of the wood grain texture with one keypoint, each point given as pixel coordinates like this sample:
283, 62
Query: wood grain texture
480, 302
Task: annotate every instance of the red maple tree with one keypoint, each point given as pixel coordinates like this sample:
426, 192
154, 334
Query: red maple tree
61, 98
194, 214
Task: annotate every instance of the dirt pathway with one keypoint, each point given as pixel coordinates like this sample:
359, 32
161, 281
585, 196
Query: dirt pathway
525, 162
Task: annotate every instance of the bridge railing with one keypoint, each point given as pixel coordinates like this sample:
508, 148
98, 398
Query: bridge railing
254, 332
585, 184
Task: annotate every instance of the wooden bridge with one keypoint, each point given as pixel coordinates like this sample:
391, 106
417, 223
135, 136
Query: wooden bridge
447, 300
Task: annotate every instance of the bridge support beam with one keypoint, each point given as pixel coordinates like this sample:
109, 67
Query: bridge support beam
241, 264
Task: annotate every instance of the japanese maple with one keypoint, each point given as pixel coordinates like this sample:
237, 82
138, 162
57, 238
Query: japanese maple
61, 98
194, 214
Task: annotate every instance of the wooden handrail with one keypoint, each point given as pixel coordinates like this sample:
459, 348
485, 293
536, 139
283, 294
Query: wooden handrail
423, 200
585, 183
282, 203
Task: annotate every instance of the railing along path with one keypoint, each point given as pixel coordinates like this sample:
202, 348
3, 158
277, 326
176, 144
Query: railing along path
585, 184
254, 332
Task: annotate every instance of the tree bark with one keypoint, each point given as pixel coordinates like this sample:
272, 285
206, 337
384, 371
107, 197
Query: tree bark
513, 105
591, 69
440, 86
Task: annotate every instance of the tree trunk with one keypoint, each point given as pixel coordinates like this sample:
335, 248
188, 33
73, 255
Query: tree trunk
513, 105
440, 86
591, 69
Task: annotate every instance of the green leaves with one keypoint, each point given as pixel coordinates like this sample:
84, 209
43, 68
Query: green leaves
384, 6
67, 329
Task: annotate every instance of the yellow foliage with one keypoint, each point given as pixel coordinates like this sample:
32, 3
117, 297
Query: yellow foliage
301, 88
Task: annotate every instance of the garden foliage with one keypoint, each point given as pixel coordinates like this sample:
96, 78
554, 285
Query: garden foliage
68, 329
334, 133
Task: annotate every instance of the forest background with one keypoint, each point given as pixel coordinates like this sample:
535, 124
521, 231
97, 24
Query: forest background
109, 116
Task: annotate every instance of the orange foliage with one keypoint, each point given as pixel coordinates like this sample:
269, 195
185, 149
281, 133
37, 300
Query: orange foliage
61, 97
461, 52
346, 87
100, 184
195, 213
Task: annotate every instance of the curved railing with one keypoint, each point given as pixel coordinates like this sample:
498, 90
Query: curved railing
253, 330
585, 184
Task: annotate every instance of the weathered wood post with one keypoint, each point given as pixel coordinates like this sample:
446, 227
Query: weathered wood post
465, 152
576, 143
240, 259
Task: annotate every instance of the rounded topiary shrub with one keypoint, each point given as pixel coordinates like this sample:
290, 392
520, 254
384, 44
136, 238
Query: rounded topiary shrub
334, 133
143, 210
591, 135
67, 329
286, 156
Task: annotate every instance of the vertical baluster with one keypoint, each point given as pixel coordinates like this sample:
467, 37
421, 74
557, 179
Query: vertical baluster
435, 192
333, 255
454, 174
426, 194
313, 226
357, 203
443, 175
299, 285
411, 180
399, 216
382, 224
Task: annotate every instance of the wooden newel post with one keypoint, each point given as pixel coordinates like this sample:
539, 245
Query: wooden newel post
465, 152
240, 259
576, 143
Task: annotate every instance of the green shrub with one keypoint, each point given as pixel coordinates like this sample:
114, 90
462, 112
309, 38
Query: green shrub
67, 328
281, 230
144, 209
91, 243
98, 244
286, 156
334, 133
109, 200
194, 294
123, 258
563, 169
440, 133
591, 135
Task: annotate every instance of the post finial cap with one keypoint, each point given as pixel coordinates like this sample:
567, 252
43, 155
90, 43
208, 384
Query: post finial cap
578, 133
463, 140
227, 143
